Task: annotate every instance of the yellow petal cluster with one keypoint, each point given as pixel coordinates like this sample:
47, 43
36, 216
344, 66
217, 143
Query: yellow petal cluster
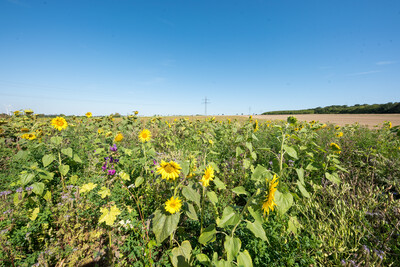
173, 205
335, 147
208, 176
145, 135
269, 202
118, 137
59, 123
169, 170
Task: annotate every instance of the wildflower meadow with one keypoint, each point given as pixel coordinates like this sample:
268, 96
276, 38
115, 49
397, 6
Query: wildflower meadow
132, 191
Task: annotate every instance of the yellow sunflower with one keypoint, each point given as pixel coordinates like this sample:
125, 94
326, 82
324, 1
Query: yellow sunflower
31, 136
169, 170
88, 114
335, 147
255, 126
28, 111
59, 123
145, 135
16, 113
173, 205
208, 176
118, 137
339, 134
269, 202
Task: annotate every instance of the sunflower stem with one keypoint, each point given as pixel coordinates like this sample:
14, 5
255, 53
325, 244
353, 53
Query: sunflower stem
60, 163
282, 152
202, 214
241, 214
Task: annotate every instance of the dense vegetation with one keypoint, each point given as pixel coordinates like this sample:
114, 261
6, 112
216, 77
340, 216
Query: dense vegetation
344, 109
128, 192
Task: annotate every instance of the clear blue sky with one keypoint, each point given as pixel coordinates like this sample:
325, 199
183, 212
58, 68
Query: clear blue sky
164, 57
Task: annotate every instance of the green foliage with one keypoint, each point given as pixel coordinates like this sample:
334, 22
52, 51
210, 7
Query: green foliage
78, 196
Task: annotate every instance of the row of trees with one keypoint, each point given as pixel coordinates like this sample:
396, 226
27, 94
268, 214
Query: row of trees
344, 109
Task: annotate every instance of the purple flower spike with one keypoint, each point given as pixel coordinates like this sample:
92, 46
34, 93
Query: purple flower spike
104, 167
113, 148
111, 172
19, 190
29, 188
154, 162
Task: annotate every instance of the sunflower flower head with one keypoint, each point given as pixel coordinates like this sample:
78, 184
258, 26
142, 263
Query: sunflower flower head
169, 170
59, 123
173, 205
255, 126
16, 113
28, 111
208, 176
339, 134
118, 137
89, 114
145, 135
335, 148
269, 201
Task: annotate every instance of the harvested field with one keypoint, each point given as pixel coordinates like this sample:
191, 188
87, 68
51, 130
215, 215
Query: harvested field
370, 120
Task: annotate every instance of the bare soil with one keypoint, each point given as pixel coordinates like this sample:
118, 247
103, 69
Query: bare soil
370, 120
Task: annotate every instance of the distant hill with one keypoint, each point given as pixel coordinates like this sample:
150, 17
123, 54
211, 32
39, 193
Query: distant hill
388, 108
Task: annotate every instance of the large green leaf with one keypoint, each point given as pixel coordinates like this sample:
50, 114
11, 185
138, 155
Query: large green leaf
240, 190
209, 235
302, 189
191, 212
283, 201
67, 151
257, 229
138, 181
181, 255
185, 165
232, 247
256, 214
293, 224
238, 151
212, 197
77, 159
249, 146
64, 169
26, 178
334, 178
38, 188
164, 225
246, 163
191, 194
56, 140
300, 174
229, 217
291, 151
203, 259
47, 159
244, 259
260, 173
218, 183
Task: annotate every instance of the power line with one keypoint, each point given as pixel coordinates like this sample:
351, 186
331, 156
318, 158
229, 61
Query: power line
205, 102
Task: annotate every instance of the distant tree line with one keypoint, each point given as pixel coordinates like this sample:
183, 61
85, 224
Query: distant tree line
344, 109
